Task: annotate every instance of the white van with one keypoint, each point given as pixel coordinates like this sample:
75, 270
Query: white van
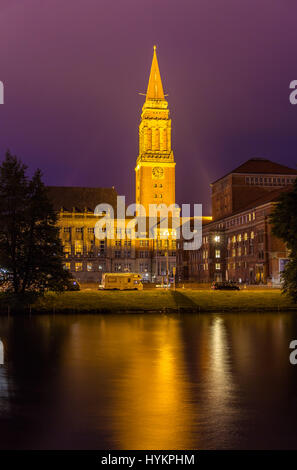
122, 281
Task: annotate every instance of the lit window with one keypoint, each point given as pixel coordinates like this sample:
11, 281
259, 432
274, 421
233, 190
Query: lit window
252, 235
245, 236
218, 266
217, 238
78, 266
78, 247
67, 248
218, 253
239, 237
89, 267
67, 266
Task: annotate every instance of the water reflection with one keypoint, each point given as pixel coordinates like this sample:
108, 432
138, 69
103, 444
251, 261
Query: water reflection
148, 382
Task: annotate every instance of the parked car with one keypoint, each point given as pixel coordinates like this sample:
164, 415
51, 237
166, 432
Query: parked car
226, 285
74, 286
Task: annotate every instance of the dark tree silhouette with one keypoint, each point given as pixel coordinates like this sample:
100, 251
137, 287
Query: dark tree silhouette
31, 253
284, 226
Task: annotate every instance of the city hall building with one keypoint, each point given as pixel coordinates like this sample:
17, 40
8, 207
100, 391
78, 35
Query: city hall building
154, 257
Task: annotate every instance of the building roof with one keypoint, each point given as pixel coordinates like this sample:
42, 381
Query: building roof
261, 166
270, 196
76, 198
155, 87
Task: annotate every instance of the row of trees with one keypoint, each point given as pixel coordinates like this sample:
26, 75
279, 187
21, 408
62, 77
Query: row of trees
31, 253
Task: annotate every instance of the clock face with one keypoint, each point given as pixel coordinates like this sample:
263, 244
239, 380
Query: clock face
157, 172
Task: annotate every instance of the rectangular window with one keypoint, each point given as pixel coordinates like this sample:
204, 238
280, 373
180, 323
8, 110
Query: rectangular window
78, 247
218, 253
67, 249
78, 267
218, 266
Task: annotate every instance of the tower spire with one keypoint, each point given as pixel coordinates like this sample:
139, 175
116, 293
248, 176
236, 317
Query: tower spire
155, 88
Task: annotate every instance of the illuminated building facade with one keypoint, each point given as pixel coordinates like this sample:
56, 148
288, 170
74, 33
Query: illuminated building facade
154, 258
238, 244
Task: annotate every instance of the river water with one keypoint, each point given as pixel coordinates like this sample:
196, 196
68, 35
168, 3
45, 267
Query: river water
192, 381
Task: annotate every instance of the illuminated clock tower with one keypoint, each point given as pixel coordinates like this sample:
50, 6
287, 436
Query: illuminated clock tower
155, 166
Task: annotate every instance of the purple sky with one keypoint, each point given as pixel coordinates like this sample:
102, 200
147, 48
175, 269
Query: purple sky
72, 70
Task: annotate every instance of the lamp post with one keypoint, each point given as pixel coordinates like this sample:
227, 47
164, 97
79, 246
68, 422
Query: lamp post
174, 272
167, 265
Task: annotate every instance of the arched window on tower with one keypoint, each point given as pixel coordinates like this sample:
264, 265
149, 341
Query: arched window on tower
164, 140
156, 139
149, 139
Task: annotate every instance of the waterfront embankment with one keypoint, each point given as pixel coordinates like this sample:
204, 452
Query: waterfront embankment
171, 301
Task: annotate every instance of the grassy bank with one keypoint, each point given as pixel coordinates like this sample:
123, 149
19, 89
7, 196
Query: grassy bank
161, 301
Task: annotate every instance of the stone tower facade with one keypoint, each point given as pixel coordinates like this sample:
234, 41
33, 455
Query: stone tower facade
155, 166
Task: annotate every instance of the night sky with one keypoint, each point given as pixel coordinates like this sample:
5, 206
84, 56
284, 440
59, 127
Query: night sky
72, 70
